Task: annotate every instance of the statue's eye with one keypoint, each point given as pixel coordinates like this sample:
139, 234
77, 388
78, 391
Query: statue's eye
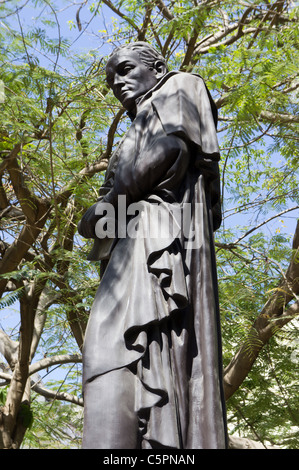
126, 69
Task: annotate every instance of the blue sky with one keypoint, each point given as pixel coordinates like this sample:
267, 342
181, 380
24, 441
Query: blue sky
30, 16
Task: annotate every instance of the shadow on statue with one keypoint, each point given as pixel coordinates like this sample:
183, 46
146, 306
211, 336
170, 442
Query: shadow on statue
152, 368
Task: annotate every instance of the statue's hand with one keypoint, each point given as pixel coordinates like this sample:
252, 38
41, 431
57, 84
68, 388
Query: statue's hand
86, 226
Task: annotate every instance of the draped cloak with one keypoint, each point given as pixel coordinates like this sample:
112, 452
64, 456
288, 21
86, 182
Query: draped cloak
156, 309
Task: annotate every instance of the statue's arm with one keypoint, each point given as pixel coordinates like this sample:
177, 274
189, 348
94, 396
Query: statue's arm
136, 177
86, 226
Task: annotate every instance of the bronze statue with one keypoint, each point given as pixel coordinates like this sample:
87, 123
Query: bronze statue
152, 369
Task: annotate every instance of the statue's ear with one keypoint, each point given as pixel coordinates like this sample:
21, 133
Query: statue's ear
160, 69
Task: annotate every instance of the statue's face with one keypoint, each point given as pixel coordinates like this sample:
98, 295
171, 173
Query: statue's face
129, 78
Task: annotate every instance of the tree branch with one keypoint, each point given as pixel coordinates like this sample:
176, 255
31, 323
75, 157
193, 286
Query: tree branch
282, 118
92, 169
166, 13
264, 222
8, 349
272, 317
54, 360
146, 22
52, 395
18, 391
46, 299
121, 15
29, 203
44, 364
235, 442
18, 249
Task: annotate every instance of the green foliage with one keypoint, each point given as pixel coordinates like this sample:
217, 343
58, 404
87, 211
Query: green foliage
58, 117
26, 415
9, 299
55, 425
276, 375
3, 395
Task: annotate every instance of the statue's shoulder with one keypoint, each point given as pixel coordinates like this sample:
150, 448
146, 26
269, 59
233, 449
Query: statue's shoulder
178, 85
182, 80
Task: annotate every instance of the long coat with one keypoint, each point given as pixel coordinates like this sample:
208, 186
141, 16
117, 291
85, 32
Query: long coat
156, 309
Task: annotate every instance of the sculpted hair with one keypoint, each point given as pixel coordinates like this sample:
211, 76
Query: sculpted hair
148, 55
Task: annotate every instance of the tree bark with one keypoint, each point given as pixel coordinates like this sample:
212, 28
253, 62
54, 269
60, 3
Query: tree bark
273, 316
245, 443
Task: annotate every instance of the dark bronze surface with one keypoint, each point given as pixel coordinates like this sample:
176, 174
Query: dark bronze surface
152, 371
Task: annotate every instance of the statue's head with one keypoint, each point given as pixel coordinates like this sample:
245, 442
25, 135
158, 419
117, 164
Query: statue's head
132, 70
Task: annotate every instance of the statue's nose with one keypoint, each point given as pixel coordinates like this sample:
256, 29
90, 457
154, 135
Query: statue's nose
118, 80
